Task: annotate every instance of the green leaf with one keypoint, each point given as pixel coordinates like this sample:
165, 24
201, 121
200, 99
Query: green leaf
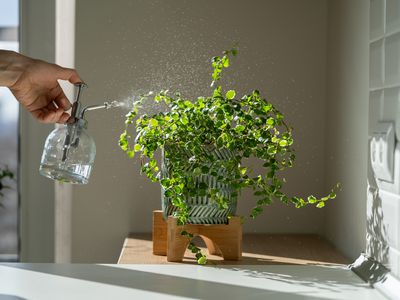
311, 199
220, 142
217, 92
177, 189
137, 147
153, 122
240, 128
165, 182
202, 260
184, 120
168, 193
152, 163
283, 143
230, 94
271, 121
225, 61
267, 108
321, 204
123, 144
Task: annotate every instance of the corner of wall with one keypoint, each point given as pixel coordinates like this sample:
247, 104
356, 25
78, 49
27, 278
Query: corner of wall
347, 130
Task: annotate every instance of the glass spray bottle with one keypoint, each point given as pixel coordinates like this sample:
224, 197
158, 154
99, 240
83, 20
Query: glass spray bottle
69, 150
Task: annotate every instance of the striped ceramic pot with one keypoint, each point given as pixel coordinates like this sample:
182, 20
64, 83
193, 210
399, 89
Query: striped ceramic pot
202, 209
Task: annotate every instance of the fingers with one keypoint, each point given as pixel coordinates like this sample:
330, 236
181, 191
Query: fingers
54, 110
46, 115
64, 118
52, 107
68, 74
60, 99
40, 93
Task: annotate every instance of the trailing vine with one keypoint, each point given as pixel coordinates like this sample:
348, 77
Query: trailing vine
247, 126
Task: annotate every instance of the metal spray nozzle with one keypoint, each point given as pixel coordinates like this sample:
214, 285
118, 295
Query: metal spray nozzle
76, 121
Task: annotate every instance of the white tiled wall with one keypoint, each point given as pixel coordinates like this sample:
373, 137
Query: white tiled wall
376, 74
392, 59
383, 207
389, 103
392, 16
377, 19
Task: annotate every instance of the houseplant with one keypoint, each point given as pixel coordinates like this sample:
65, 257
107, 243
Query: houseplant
190, 132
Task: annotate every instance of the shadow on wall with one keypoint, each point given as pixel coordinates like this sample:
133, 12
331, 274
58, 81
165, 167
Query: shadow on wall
377, 236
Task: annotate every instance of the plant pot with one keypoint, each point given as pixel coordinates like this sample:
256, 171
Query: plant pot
202, 209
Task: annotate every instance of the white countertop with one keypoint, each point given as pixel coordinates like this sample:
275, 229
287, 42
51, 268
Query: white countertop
89, 281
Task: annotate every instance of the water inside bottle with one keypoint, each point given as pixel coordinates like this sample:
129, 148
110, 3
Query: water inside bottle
65, 172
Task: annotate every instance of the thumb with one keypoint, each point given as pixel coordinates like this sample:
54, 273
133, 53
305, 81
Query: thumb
68, 74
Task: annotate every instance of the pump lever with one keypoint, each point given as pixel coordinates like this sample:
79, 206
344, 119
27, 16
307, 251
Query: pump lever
75, 112
76, 106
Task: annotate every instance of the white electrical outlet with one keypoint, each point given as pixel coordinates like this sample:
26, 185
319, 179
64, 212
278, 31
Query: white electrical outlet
382, 151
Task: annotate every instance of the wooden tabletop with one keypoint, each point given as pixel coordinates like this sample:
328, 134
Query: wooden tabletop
288, 249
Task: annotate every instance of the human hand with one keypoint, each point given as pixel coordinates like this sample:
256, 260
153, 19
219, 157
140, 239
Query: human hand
34, 83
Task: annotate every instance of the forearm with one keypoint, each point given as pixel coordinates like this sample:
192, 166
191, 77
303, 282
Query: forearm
12, 65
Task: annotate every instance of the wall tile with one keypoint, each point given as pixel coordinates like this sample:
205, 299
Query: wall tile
392, 16
392, 59
376, 26
376, 64
391, 187
390, 205
375, 103
390, 104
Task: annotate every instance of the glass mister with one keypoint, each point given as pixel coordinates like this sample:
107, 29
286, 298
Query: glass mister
69, 161
69, 150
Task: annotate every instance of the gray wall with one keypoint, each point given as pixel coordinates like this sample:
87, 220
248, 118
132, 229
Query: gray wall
347, 115
127, 47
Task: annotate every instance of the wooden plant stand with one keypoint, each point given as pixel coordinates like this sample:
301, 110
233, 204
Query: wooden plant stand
221, 239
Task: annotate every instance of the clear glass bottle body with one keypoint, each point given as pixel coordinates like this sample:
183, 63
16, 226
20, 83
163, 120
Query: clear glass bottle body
69, 154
